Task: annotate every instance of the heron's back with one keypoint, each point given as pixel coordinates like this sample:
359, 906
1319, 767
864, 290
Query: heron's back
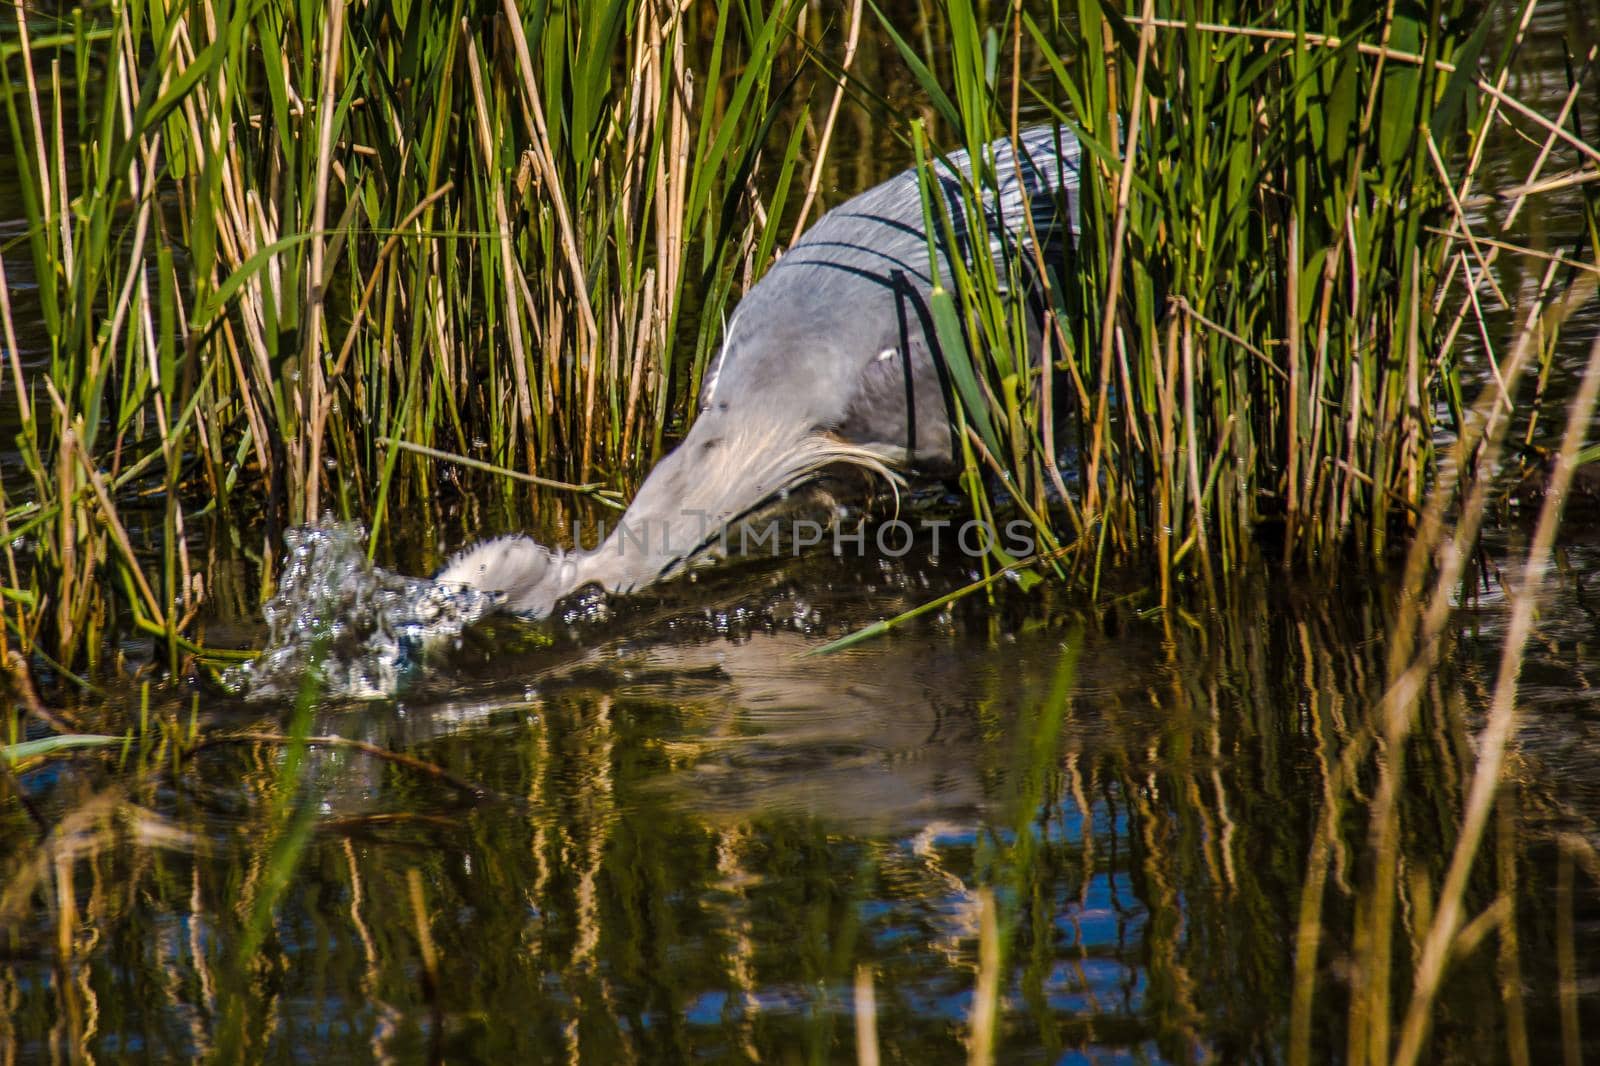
838, 332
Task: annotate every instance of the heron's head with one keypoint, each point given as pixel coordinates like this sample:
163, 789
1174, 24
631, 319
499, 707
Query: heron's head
529, 576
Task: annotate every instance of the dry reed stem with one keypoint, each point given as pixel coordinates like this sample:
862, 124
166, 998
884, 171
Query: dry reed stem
1486, 427
238, 241
866, 1017
16, 668
982, 451
672, 178
580, 285
419, 913
1480, 141
1053, 332
851, 41
1166, 388
1192, 434
1533, 253
1564, 181
108, 513
46, 202
1047, 419
508, 263
1473, 243
1508, 963
490, 468
546, 156
24, 406
1182, 304
316, 277
1291, 433
61, 167
1483, 335
1118, 243
136, 260
1550, 140
985, 1012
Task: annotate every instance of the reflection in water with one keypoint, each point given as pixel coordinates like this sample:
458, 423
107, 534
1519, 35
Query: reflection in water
694, 841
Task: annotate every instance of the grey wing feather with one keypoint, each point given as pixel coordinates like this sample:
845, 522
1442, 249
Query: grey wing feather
837, 297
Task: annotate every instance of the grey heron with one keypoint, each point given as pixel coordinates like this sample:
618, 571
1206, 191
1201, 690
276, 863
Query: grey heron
830, 360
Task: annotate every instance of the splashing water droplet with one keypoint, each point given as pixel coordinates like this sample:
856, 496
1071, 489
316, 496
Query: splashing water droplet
589, 605
360, 630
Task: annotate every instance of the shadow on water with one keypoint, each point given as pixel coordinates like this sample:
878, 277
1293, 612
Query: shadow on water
668, 833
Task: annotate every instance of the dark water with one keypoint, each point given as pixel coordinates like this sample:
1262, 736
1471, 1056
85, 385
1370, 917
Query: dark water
662, 832
688, 841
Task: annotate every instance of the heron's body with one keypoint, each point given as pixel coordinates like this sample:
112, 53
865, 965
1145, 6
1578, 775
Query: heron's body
831, 358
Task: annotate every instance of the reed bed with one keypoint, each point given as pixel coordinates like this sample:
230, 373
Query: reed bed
302, 256
1278, 298
287, 254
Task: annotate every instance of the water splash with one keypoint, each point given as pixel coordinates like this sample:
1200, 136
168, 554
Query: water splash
362, 630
